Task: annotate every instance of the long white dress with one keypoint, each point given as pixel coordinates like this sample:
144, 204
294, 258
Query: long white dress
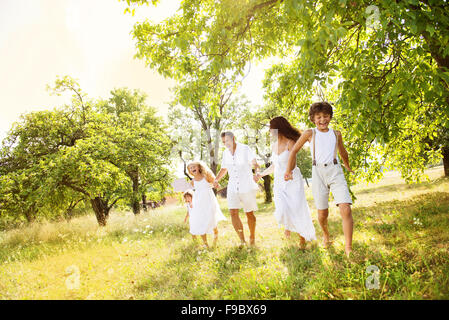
206, 212
291, 208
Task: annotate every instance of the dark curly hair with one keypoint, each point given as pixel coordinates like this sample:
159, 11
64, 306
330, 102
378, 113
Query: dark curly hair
318, 107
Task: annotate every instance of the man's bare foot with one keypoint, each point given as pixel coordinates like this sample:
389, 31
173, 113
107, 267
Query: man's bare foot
242, 244
252, 242
326, 241
327, 244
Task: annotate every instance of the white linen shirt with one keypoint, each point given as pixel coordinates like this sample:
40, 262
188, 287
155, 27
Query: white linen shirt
239, 169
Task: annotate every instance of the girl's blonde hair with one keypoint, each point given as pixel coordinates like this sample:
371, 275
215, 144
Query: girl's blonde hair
203, 168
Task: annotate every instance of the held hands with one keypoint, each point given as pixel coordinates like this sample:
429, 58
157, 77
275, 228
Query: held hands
256, 177
216, 184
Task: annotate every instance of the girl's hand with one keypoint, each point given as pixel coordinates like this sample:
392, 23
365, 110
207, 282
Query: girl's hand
288, 176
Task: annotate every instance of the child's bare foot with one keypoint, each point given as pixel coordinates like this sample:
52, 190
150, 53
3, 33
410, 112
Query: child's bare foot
348, 251
287, 234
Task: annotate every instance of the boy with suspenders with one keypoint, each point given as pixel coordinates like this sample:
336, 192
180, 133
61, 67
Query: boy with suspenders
327, 174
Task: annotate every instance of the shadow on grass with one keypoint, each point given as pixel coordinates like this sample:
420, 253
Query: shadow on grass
31, 250
410, 250
402, 186
419, 213
180, 275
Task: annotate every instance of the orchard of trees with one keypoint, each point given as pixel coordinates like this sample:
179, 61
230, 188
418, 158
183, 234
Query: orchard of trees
383, 64
89, 152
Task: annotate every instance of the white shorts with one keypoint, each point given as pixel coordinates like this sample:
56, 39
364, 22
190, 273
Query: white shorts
248, 200
329, 178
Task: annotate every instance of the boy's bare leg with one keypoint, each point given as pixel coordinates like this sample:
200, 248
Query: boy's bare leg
237, 224
322, 219
215, 236
252, 227
348, 225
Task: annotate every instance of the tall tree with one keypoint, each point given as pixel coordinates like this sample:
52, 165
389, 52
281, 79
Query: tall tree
387, 63
205, 91
86, 150
143, 146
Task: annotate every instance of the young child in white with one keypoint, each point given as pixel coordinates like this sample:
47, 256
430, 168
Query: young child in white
188, 198
327, 174
204, 211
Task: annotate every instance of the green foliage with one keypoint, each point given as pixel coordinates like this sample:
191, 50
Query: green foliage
304, 162
98, 151
386, 68
400, 228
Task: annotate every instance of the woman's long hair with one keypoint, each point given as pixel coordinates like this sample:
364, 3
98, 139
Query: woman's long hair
285, 128
203, 168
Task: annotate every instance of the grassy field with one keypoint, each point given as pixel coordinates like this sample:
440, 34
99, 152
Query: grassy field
401, 229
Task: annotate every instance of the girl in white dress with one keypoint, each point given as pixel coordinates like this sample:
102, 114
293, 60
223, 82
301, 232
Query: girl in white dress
291, 208
204, 212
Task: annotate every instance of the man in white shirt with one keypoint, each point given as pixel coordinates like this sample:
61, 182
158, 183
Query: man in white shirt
237, 161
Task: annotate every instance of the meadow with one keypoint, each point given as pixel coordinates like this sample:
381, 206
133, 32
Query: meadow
402, 229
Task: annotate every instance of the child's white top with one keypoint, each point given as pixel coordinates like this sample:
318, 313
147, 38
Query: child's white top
325, 146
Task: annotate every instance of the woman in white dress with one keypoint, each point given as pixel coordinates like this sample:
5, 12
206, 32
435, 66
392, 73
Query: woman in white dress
291, 208
205, 211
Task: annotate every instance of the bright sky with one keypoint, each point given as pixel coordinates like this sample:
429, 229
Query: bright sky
88, 40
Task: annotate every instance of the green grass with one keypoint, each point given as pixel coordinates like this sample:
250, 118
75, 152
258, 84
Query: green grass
402, 229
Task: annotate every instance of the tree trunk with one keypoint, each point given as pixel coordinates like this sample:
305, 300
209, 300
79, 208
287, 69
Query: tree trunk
307, 181
68, 214
29, 214
101, 210
445, 152
267, 188
135, 197
211, 149
144, 202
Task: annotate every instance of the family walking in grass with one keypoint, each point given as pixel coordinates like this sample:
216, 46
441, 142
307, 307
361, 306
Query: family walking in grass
291, 208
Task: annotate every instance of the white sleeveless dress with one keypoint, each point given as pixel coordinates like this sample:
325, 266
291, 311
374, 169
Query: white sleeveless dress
206, 212
291, 208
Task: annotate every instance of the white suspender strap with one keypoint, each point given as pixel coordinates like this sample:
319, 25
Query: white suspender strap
313, 143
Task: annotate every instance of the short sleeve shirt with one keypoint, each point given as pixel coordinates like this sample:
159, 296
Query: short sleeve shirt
239, 169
